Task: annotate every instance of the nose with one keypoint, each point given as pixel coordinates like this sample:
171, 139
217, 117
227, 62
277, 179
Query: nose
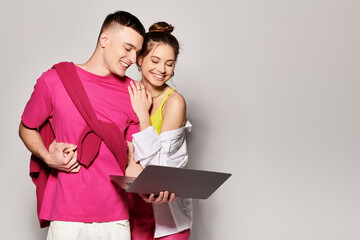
132, 56
161, 68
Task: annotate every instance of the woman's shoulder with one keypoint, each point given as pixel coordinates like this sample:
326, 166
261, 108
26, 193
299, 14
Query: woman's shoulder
174, 112
175, 99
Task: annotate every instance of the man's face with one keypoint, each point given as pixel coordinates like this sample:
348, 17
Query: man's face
121, 45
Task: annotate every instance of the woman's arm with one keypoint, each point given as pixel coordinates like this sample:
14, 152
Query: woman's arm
150, 148
168, 149
174, 109
133, 169
174, 112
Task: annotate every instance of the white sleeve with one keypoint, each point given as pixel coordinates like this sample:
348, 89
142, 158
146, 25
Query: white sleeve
168, 149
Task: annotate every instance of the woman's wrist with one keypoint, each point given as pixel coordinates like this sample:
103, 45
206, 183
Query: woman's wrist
144, 120
144, 125
143, 116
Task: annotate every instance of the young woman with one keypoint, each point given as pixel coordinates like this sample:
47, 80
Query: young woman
162, 117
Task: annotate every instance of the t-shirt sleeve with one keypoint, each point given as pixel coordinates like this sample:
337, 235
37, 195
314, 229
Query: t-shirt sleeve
38, 108
133, 128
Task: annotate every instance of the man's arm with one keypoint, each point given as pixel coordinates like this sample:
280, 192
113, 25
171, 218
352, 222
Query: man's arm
58, 159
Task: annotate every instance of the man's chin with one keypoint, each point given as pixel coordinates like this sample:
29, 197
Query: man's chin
119, 73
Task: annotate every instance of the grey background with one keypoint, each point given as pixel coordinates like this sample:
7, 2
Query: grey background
272, 89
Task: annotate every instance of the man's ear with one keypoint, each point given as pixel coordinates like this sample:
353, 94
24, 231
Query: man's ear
104, 39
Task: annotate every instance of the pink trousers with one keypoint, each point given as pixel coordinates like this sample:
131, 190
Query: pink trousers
142, 221
184, 235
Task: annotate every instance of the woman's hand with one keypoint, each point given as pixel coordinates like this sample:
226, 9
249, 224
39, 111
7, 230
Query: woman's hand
163, 197
141, 99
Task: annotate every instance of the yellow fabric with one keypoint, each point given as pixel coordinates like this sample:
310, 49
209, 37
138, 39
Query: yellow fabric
156, 119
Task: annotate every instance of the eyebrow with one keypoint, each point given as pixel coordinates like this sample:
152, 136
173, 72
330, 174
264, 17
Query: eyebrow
172, 60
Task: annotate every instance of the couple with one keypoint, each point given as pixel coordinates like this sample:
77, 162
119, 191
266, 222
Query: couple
116, 114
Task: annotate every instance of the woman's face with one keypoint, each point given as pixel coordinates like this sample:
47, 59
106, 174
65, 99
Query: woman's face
158, 66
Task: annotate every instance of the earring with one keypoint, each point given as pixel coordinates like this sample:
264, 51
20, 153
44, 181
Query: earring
173, 74
139, 68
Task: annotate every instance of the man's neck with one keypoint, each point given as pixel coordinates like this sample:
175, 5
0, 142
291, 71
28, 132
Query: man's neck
95, 65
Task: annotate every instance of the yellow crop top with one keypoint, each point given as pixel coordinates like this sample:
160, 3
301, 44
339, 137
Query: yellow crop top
156, 119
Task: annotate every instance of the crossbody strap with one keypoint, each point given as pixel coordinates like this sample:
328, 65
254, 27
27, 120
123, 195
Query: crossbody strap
112, 136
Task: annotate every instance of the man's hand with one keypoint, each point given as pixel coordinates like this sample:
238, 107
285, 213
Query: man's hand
63, 157
163, 197
59, 155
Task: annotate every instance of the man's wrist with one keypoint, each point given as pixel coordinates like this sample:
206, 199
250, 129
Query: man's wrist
45, 156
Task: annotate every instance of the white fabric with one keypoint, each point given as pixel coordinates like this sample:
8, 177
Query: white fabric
172, 217
117, 230
167, 149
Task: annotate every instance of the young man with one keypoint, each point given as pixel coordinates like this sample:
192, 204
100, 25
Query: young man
81, 202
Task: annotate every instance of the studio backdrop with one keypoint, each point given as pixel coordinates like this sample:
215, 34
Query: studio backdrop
272, 90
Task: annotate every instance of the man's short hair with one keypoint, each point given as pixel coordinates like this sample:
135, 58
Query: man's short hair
124, 19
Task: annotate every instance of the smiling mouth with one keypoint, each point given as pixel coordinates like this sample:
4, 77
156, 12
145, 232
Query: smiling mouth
159, 76
124, 64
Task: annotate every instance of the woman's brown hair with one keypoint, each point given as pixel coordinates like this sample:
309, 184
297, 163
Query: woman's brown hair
159, 32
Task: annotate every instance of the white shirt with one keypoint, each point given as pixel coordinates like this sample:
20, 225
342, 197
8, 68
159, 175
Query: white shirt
167, 149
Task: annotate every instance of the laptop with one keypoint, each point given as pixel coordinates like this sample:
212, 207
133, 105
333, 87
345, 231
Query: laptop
188, 183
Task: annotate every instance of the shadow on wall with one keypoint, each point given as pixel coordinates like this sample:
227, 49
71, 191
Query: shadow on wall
43, 233
196, 150
40, 233
195, 235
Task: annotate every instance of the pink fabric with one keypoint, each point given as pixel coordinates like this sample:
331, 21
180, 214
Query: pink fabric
87, 196
142, 220
96, 130
184, 235
39, 171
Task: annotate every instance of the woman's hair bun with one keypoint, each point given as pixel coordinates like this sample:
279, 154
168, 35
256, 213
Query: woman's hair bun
161, 27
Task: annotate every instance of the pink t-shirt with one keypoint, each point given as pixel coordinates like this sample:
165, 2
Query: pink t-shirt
87, 196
